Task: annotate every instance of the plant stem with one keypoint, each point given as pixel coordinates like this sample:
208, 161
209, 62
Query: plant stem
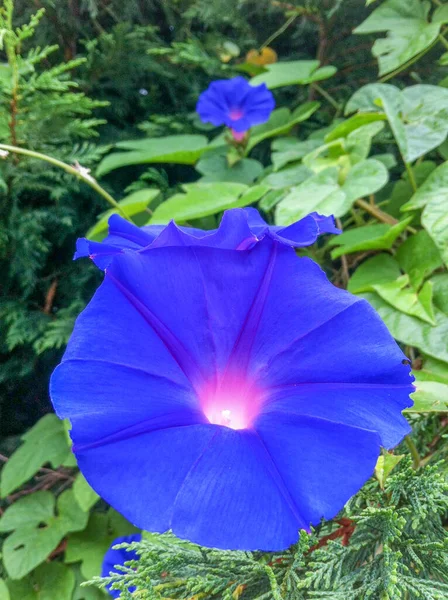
413, 450
376, 212
411, 175
69, 169
279, 31
327, 96
443, 40
408, 64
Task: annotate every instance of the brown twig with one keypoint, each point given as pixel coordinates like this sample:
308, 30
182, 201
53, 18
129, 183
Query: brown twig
49, 298
345, 531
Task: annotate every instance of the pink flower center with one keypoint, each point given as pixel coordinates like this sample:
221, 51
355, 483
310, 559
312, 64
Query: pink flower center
234, 404
236, 114
238, 135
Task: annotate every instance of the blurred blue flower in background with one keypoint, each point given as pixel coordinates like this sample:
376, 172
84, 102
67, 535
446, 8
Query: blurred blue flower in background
240, 229
119, 557
236, 104
232, 396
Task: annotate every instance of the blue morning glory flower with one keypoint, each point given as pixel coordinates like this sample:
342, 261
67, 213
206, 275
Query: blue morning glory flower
233, 397
236, 104
119, 557
240, 229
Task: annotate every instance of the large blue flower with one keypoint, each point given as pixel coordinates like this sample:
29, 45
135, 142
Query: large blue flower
236, 104
239, 229
234, 397
119, 557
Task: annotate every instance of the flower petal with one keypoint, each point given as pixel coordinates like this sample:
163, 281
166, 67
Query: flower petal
234, 498
141, 476
321, 463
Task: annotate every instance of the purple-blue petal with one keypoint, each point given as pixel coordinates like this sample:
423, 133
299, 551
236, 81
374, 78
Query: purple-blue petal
239, 229
119, 557
170, 322
235, 103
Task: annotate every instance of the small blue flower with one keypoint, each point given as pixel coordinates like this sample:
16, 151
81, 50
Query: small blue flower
239, 229
236, 104
234, 397
119, 557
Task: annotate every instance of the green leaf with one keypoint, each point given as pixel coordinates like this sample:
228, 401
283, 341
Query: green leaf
216, 168
441, 15
381, 98
84, 495
352, 124
301, 72
440, 291
270, 200
408, 32
281, 122
52, 581
90, 545
201, 200
289, 149
418, 116
86, 592
402, 191
406, 299
378, 269
433, 370
37, 529
4, 592
412, 331
418, 256
432, 196
425, 114
179, 149
429, 396
369, 237
386, 463
324, 194
287, 177
44, 443
132, 205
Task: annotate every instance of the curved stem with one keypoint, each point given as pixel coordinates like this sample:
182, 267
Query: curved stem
68, 169
279, 31
413, 450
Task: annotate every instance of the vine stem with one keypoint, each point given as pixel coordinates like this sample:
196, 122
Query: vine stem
413, 450
279, 31
327, 96
90, 181
380, 215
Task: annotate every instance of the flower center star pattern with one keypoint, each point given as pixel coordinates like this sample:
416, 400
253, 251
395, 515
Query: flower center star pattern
232, 396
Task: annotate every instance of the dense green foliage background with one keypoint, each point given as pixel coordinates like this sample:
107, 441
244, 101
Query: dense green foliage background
360, 132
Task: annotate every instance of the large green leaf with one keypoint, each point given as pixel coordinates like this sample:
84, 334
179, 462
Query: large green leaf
180, 149
132, 205
290, 149
381, 268
216, 168
412, 331
287, 178
281, 122
429, 396
408, 32
203, 199
90, 545
440, 285
38, 529
85, 496
381, 98
44, 443
369, 237
418, 257
52, 581
418, 115
432, 197
352, 124
292, 72
403, 298
324, 194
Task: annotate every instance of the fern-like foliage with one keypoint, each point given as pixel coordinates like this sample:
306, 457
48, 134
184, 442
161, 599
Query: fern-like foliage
389, 544
43, 209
